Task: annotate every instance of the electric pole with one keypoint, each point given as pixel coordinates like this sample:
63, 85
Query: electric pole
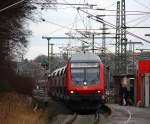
93, 43
133, 56
103, 35
48, 39
123, 39
51, 57
104, 42
117, 45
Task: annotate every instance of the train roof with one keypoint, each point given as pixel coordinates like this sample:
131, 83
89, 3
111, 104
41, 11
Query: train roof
58, 71
85, 57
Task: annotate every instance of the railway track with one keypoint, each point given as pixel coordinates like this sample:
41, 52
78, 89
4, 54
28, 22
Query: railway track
70, 119
87, 119
77, 119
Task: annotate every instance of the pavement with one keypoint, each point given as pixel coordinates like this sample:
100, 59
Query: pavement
119, 115
128, 115
60, 110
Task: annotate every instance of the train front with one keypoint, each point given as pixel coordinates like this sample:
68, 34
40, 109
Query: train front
85, 78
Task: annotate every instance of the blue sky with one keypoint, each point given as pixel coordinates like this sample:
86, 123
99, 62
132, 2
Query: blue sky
71, 18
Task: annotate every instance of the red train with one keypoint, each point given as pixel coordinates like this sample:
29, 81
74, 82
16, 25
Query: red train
80, 81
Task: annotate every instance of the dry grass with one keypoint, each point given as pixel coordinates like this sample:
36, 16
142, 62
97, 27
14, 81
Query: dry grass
17, 109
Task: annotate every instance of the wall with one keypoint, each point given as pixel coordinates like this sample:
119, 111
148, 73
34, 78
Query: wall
143, 66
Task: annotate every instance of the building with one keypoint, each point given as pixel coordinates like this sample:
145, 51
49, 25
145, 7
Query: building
124, 80
143, 83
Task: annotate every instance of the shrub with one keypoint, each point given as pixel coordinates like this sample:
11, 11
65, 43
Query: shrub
23, 85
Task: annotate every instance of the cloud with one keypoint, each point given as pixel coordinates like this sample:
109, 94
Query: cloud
34, 51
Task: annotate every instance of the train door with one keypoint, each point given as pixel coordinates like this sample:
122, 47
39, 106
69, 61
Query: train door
132, 90
147, 90
143, 91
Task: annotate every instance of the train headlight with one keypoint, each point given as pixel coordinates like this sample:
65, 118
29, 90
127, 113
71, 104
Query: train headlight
85, 83
98, 91
71, 91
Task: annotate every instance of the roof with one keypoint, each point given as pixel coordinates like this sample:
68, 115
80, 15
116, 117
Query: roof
57, 71
85, 57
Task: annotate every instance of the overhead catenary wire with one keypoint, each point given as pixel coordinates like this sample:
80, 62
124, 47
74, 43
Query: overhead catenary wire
80, 17
12, 5
136, 19
110, 5
56, 30
74, 24
129, 11
141, 4
66, 28
98, 19
113, 26
133, 14
72, 36
64, 4
57, 24
144, 19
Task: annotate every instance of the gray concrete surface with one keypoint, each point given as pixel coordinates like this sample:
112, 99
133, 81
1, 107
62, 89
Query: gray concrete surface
120, 115
60, 111
128, 115
84, 119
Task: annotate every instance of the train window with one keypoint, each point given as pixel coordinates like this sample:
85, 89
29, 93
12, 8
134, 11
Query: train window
92, 75
85, 73
57, 73
77, 76
84, 65
62, 71
54, 74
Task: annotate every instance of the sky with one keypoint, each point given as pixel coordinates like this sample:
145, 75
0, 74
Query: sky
63, 19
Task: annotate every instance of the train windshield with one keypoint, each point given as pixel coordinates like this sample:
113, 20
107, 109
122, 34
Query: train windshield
85, 73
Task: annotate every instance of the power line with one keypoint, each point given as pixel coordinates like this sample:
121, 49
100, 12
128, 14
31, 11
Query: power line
5, 8
66, 4
126, 14
147, 17
141, 4
100, 9
110, 5
98, 19
72, 37
108, 23
82, 19
57, 24
136, 19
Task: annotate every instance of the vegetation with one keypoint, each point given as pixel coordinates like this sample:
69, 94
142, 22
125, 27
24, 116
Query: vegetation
13, 36
18, 109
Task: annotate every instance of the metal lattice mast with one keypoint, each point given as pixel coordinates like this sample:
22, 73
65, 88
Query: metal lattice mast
93, 43
104, 42
104, 37
117, 45
123, 39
